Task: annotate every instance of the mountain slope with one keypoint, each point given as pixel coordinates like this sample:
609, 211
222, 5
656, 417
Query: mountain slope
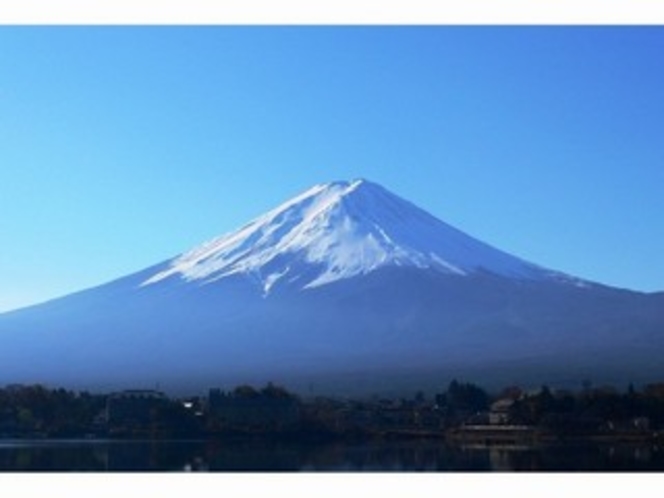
346, 287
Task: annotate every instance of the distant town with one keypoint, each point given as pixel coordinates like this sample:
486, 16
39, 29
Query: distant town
464, 413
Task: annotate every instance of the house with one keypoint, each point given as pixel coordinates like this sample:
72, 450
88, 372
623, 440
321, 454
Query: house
641, 424
499, 412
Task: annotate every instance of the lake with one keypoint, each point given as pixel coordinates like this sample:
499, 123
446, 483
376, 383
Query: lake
375, 456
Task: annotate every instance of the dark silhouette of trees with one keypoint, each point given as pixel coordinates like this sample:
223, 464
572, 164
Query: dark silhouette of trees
37, 410
245, 391
598, 410
276, 392
462, 400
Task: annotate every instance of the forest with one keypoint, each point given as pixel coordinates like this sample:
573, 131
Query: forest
35, 411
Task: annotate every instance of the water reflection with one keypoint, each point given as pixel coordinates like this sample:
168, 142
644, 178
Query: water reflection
253, 455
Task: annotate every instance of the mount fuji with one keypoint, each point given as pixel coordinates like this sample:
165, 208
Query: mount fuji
344, 288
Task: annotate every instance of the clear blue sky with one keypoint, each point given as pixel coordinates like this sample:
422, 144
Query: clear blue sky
121, 147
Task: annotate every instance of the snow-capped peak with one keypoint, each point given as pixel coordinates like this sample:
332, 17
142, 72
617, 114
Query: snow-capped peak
340, 230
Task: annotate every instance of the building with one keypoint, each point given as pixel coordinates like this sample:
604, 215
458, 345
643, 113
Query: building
499, 413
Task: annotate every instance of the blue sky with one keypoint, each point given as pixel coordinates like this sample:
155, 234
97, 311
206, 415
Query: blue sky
123, 146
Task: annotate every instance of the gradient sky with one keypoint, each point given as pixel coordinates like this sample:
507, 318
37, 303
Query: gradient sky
123, 146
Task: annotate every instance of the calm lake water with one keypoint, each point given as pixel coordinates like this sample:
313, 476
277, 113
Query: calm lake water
411, 456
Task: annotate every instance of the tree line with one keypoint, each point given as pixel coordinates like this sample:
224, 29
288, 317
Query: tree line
38, 411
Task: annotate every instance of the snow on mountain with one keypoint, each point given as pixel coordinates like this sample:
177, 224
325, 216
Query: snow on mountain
339, 230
